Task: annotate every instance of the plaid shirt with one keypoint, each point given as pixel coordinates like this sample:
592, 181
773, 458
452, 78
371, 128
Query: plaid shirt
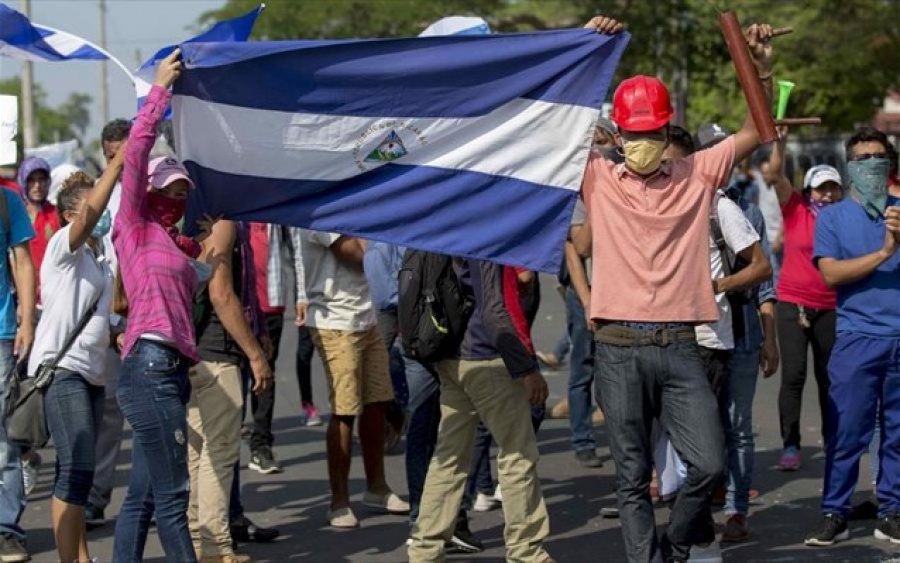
275, 283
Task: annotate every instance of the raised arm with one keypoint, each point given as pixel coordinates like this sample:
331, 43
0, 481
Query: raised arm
142, 137
759, 38
96, 201
783, 186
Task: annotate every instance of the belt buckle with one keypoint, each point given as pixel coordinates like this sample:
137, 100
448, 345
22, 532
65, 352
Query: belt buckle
661, 337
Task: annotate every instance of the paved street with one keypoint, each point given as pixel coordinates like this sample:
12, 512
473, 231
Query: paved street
296, 501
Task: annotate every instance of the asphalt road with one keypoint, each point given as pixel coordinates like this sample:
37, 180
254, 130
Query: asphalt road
296, 501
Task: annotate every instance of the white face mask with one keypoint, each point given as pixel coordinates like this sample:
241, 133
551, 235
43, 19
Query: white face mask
644, 156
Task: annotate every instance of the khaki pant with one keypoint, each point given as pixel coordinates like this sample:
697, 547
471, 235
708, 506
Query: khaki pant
469, 391
214, 427
357, 368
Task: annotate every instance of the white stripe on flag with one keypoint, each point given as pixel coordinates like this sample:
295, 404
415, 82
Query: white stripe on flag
523, 139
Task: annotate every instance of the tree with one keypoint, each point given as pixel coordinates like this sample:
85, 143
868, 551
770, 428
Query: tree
842, 54
68, 121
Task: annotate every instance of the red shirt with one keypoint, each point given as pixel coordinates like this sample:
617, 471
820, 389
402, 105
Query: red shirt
45, 222
259, 241
514, 307
799, 281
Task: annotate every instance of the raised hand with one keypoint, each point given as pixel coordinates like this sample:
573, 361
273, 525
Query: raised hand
169, 70
603, 24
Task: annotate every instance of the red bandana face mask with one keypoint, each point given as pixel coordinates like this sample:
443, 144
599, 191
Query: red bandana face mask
167, 210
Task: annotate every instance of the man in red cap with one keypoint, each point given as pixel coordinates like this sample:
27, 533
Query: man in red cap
648, 222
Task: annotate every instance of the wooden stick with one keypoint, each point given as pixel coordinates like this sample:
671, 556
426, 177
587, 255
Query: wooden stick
747, 76
782, 31
792, 121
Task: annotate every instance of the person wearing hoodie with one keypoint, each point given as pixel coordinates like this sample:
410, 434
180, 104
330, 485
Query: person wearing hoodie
34, 179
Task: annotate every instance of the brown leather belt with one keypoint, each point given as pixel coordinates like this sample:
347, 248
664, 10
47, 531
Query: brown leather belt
617, 335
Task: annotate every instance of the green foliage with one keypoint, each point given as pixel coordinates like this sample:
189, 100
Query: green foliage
842, 54
68, 121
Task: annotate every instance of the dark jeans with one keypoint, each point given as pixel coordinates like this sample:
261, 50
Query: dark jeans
74, 409
424, 412
794, 340
153, 393
635, 384
263, 406
388, 326
581, 375
305, 349
235, 506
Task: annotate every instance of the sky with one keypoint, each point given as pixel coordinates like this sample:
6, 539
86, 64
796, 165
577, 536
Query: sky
135, 29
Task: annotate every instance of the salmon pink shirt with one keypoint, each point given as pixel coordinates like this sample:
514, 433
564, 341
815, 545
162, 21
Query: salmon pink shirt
651, 237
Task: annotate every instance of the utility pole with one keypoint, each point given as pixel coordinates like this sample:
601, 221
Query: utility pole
104, 79
29, 134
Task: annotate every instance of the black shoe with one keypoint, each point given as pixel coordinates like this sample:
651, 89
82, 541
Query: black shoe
832, 530
588, 458
888, 528
463, 540
244, 531
866, 510
263, 461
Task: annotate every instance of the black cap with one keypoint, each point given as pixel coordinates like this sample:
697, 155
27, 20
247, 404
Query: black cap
710, 134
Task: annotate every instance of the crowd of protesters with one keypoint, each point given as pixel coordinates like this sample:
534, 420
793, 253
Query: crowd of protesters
688, 274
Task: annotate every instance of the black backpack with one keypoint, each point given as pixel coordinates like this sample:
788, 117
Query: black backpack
731, 262
432, 309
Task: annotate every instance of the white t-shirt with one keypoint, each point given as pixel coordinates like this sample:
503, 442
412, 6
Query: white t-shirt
70, 283
739, 235
338, 294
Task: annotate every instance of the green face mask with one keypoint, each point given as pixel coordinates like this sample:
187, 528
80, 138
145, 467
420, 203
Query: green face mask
869, 180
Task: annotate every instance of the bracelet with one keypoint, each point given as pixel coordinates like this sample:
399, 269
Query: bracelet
767, 77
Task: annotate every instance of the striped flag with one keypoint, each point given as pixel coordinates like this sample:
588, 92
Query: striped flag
23, 40
468, 145
235, 29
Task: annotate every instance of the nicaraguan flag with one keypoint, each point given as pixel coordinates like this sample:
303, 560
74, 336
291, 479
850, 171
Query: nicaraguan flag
235, 29
23, 40
468, 145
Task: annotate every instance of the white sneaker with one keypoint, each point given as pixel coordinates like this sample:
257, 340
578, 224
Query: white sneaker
497, 496
485, 503
709, 553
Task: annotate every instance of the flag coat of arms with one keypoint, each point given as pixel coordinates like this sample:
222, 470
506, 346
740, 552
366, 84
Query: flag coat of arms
472, 146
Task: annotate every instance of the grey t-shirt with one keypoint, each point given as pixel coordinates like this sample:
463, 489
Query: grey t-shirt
579, 217
338, 294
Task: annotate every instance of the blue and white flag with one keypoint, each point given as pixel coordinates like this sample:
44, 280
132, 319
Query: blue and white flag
23, 40
235, 29
467, 145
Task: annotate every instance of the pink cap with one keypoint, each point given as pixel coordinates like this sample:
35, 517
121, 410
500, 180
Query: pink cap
164, 170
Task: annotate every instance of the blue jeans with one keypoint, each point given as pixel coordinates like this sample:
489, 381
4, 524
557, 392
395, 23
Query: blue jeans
562, 346
153, 393
74, 409
740, 390
581, 375
12, 490
635, 383
863, 371
424, 414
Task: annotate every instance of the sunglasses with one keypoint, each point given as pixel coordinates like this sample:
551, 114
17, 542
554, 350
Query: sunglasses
867, 156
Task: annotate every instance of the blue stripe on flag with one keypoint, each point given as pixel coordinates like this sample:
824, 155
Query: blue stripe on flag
29, 41
225, 31
450, 76
455, 212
